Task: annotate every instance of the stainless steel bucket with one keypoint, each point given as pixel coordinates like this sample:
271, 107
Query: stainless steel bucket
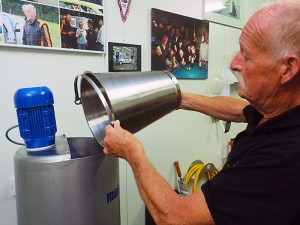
137, 99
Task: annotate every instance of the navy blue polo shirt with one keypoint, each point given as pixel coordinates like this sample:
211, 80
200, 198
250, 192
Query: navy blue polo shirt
260, 183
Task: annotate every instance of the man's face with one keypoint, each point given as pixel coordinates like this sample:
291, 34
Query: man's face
30, 14
181, 52
193, 49
258, 77
165, 39
68, 18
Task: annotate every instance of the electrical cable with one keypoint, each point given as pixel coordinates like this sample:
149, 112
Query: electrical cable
8, 138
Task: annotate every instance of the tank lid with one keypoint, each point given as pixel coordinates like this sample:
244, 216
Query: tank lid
33, 97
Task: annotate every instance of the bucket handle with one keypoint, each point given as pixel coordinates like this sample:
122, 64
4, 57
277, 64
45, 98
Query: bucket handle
77, 100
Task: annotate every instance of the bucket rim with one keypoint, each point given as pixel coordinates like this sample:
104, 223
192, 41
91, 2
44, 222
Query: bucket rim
101, 96
87, 76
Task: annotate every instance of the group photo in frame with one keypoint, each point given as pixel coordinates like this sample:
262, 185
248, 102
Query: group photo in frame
56, 24
179, 44
124, 57
226, 12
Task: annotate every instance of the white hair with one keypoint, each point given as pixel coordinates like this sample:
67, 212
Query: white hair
29, 7
284, 34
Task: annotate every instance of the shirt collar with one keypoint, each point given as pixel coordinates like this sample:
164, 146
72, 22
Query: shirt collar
33, 21
282, 121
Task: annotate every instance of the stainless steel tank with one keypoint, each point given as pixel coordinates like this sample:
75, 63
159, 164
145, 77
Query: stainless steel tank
73, 183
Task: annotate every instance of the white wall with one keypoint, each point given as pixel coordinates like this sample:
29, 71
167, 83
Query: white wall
181, 135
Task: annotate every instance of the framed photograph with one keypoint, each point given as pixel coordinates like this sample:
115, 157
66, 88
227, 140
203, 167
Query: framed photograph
124, 57
227, 12
179, 44
53, 24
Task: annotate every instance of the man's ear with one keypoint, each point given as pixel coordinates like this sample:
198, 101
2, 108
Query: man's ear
290, 68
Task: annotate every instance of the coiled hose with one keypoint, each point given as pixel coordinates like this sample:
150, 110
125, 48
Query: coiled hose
198, 170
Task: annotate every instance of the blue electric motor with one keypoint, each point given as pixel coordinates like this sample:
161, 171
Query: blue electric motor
36, 117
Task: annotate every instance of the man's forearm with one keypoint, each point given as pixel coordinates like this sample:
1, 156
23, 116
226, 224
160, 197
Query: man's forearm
153, 190
163, 203
220, 107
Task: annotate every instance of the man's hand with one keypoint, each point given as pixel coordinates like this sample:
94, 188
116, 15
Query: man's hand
121, 143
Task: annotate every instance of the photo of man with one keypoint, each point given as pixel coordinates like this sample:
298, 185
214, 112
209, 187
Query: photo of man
30, 24
35, 32
67, 33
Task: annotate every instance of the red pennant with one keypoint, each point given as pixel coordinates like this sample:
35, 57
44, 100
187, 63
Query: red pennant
124, 6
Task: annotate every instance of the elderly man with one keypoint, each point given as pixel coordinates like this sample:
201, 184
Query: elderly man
35, 31
67, 33
259, 184
100, 36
